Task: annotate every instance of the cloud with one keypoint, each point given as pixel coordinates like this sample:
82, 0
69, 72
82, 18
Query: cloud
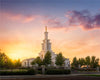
17, 17
74, 19
29, 18
9, 18
53, 22
83, 19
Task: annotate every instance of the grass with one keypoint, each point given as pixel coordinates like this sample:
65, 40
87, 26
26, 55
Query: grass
96, 75
13, 69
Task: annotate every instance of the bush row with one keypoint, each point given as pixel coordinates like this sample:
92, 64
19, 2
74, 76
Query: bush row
57, 71
28, 72
33, 72
84, 69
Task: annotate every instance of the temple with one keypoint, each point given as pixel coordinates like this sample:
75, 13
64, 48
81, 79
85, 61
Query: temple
46, 46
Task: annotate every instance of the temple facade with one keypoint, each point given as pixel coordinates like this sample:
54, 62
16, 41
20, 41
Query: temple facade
46, 46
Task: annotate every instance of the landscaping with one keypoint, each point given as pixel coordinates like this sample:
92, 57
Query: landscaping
18, 72
57, 71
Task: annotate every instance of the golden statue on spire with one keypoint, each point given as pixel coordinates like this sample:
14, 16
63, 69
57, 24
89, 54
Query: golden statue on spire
45, 28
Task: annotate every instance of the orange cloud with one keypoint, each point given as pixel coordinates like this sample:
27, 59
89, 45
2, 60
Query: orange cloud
29, 19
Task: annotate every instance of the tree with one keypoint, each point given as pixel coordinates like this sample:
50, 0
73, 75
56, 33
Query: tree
3, 60
37, 61
6, 62
74, 62
47, 58
87, 61
59, 59
81, 61
94, 62
17, 63
9, 63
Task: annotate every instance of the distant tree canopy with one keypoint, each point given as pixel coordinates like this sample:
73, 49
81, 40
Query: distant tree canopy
59, 59
93, 62
6, 62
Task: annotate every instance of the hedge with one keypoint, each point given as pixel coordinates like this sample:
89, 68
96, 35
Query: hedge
28, 72
85, 69
58, 71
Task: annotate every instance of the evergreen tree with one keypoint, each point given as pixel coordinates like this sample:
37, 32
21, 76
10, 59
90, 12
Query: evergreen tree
94, 62
87, 61
47, 58
59, 59
75, 63
81, 61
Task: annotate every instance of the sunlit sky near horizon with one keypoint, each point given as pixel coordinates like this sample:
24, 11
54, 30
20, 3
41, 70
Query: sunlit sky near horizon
73, 26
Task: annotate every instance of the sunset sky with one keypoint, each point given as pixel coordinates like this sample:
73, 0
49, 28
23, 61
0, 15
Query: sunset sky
73, 26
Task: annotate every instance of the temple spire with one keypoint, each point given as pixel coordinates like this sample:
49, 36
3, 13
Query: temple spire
45, 28
46, 33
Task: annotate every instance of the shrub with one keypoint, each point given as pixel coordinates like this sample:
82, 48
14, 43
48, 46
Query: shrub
20, 72
13, 72
39, 72
58, 71
84, 69
67, 71
31, 72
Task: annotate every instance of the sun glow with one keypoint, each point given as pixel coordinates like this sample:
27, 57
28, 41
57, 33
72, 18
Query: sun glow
22, 53
15, 56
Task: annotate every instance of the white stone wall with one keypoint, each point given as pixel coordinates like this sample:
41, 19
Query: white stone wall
67, 63
27, 62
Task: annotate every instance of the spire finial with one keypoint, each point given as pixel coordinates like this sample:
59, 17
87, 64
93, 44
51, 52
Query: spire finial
45, 28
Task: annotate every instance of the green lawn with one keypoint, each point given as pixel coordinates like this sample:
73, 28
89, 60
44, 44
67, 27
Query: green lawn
13, 69
96, 75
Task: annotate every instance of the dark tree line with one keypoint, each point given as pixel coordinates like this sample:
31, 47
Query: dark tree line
6, 62
91, 62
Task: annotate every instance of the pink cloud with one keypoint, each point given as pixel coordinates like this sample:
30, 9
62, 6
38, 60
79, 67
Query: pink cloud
74, 19
18, 17
83, 19
29, 19
55, 23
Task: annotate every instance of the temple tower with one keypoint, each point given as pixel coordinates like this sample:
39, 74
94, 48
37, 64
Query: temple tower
46, 45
